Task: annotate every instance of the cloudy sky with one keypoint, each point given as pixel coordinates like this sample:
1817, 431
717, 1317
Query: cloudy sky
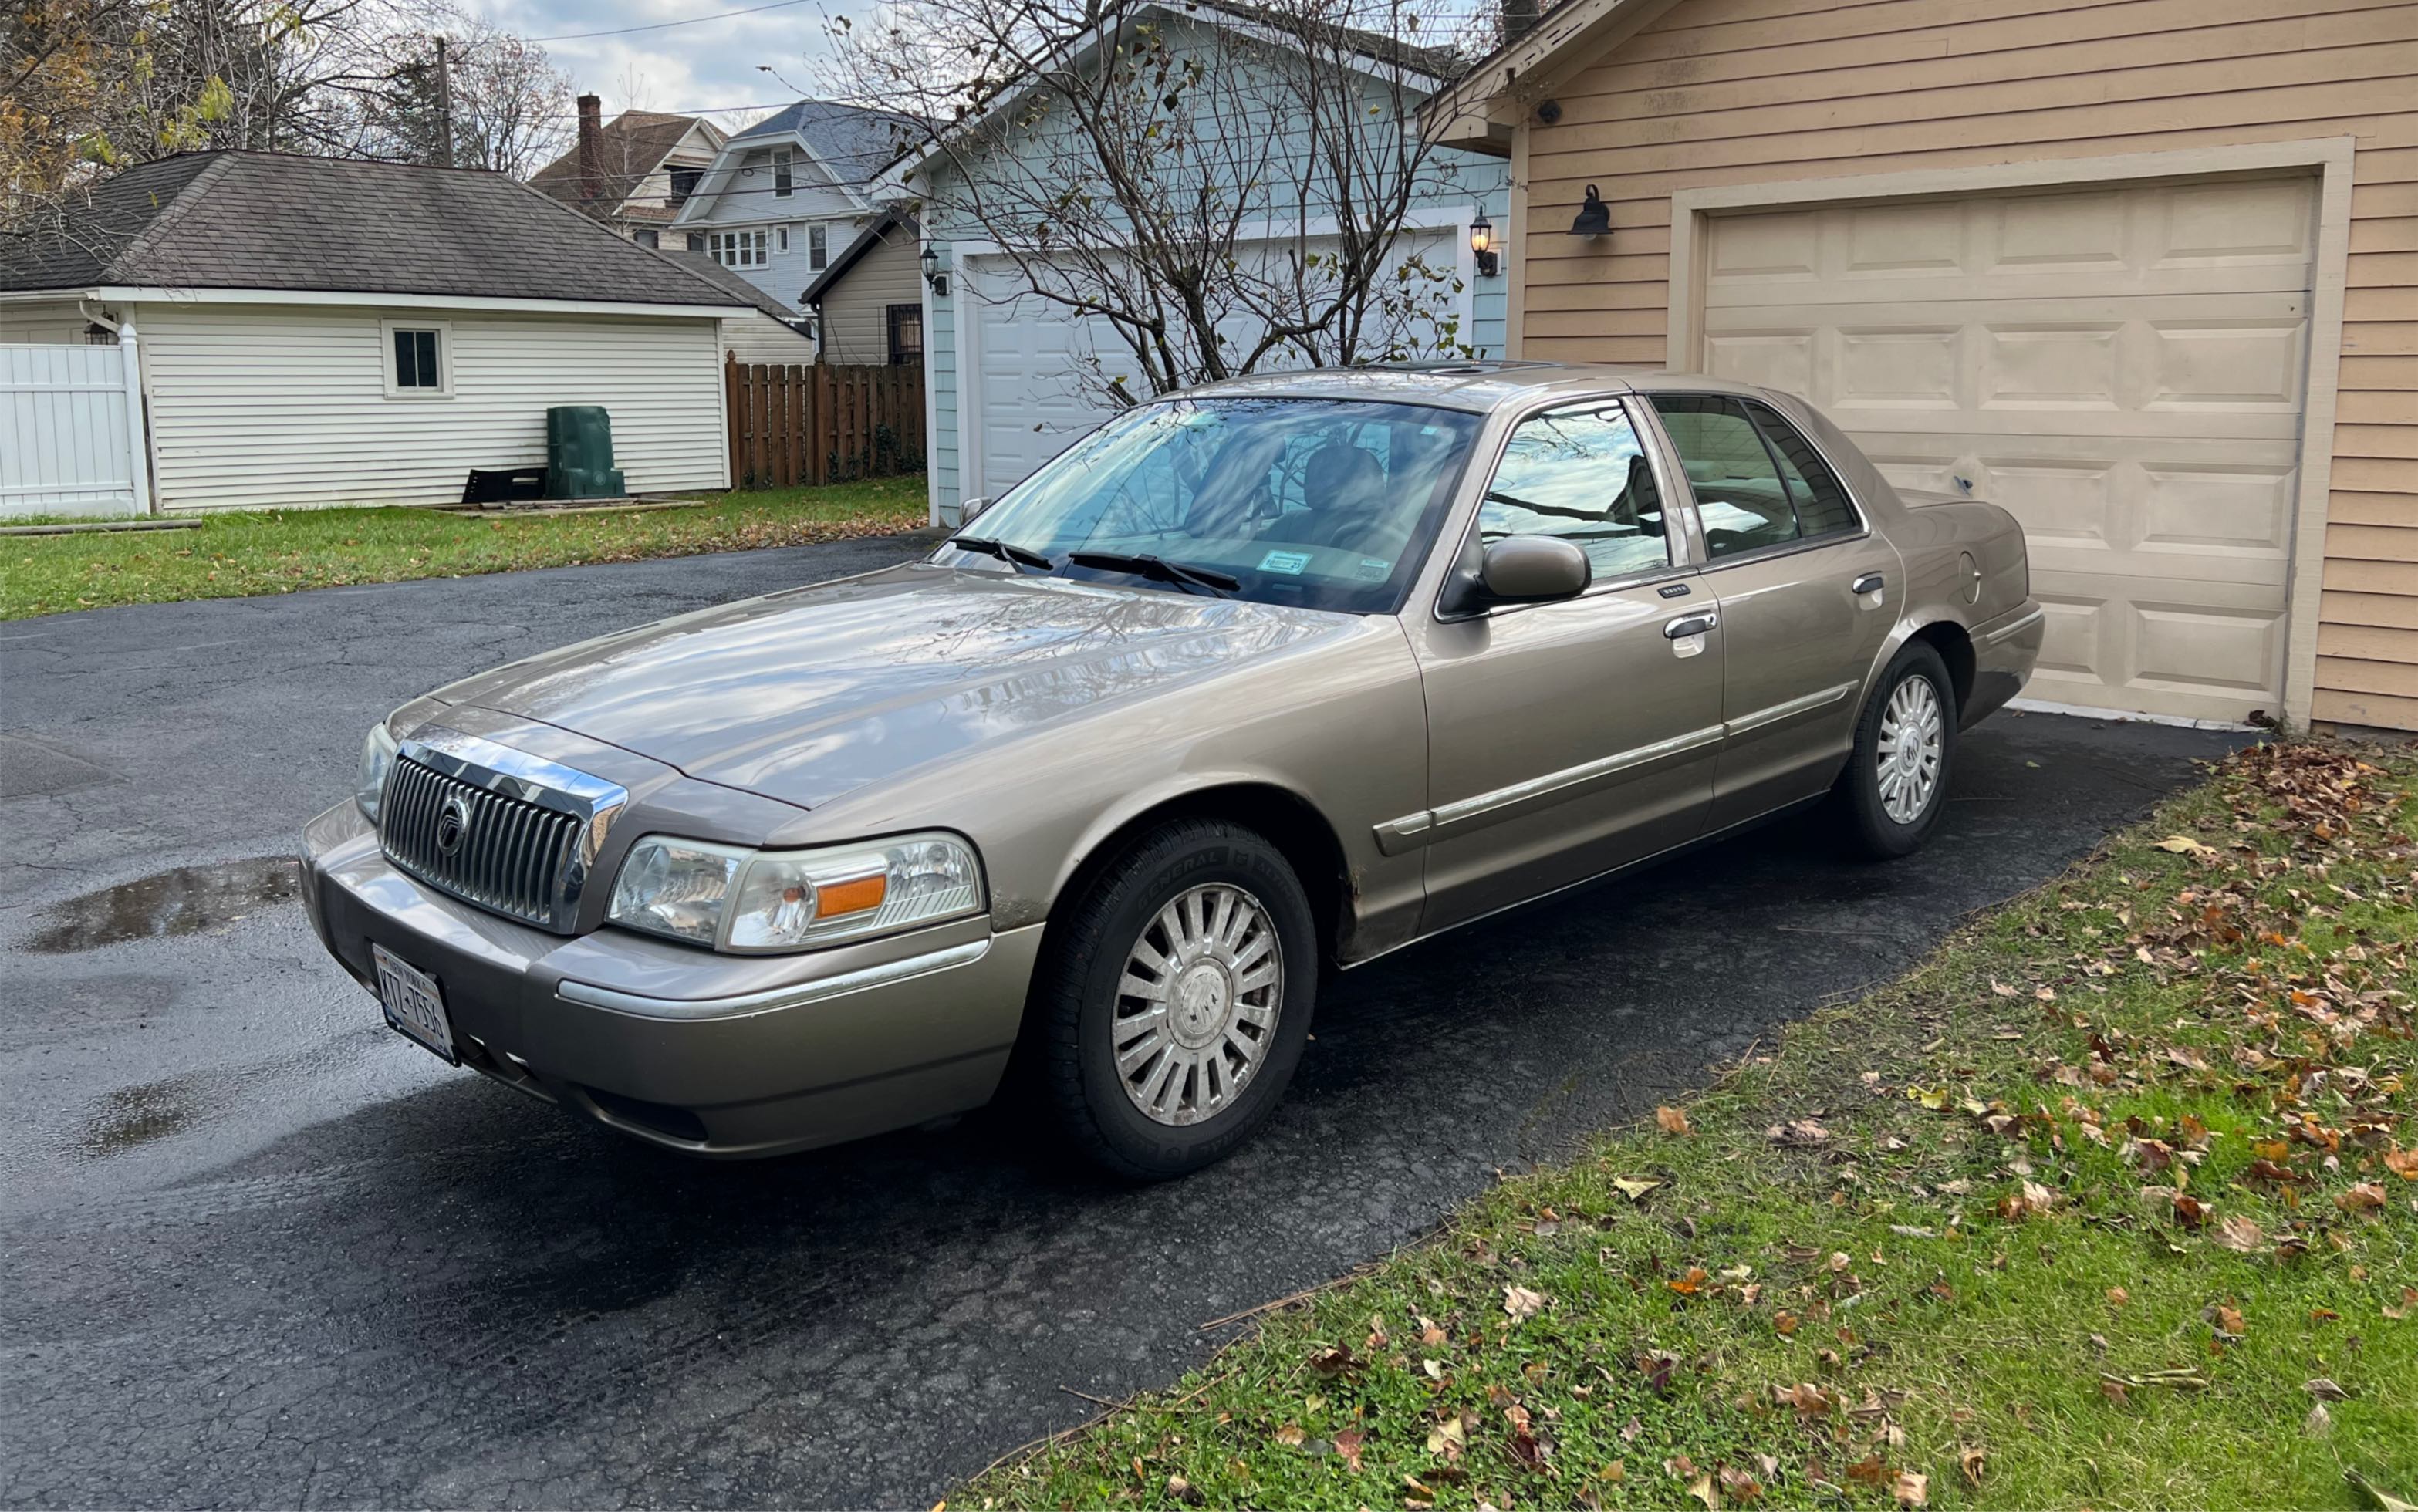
707, 64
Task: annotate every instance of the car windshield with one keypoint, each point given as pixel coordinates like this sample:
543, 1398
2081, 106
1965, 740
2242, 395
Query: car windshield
1321, 503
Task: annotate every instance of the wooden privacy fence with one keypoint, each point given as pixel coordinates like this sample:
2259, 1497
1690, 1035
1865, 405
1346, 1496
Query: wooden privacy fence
821, 424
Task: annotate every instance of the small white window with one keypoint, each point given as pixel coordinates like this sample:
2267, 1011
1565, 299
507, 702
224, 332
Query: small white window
419, 357
736, 249
647, 238
784, 181
817, 248
783, 244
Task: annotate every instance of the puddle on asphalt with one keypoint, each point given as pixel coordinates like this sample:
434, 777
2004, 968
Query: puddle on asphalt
182, 902
132, 1116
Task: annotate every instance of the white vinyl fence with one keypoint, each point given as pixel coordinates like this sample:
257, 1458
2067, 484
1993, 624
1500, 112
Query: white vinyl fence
71, 431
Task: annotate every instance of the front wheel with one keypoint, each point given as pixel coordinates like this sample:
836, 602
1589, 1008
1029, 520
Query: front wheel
1896, 782
1177, 998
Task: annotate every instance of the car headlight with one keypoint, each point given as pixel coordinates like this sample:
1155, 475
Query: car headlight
761, 902
378, 759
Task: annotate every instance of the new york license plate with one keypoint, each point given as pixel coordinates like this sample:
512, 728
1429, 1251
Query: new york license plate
413, 1004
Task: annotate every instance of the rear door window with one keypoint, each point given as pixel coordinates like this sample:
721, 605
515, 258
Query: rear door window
1758, 482
1821, 499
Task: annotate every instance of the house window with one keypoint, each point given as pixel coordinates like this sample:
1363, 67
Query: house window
419, 359
781, 241
784, 181
737, 248
685, 182
817, 248
696, 241
647, 238
906, 333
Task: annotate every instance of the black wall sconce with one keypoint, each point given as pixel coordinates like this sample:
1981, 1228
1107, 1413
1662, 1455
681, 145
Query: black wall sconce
1594, 218
1481, 241
932, 274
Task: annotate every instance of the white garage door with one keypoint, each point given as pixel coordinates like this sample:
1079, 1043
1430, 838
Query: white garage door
2121, 367
1031, 397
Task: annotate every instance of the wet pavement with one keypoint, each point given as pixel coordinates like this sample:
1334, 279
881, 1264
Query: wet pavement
256, 1250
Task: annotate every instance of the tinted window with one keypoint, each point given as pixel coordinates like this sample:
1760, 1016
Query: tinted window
1580, 474
1327, 504
1739, 494
1822, 507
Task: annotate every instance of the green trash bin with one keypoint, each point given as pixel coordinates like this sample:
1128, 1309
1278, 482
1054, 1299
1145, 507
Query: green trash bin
579, 453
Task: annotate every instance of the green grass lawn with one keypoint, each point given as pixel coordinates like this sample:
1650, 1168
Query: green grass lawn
2113, 1203
277, 552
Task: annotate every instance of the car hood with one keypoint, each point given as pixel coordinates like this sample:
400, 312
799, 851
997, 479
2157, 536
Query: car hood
808, 694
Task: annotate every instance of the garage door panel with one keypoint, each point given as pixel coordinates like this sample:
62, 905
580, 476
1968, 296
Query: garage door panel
2121, 367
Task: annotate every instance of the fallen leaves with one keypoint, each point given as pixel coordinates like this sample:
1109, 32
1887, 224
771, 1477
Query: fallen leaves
1911, 1489
2183, 845
1633, 1187
1520, 1304
1672, 1120
1801, 1133
2240, 1235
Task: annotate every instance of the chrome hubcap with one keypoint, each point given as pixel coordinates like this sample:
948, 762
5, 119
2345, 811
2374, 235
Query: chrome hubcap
1911, 738
1197, 1004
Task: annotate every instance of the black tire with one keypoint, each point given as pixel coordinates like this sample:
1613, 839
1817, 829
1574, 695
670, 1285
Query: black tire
1870, 828
1076, 994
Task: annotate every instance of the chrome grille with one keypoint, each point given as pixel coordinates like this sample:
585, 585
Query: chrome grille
513, 857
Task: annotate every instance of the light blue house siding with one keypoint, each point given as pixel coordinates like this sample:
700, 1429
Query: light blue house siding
1455, 186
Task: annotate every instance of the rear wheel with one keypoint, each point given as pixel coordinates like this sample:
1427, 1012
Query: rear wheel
1896, 782
1177, 1000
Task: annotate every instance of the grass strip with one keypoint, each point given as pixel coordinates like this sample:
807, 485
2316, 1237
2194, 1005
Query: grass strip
245, 552
2112, 1203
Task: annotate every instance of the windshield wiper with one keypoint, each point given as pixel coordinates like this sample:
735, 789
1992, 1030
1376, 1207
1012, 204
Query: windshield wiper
1004, 551
1191, 579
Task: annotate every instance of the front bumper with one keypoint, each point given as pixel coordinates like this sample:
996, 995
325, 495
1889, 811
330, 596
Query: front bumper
713, 1055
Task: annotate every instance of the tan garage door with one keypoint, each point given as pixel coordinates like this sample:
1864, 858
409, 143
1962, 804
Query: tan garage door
2120, 367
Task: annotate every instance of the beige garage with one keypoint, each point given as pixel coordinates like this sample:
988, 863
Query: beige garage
2121, 367
2146, 271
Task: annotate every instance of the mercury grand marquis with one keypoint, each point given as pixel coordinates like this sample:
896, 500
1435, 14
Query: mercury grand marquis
1251, 684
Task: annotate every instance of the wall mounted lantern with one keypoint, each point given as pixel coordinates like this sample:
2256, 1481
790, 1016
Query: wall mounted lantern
1594, 218
1481, 241
932, 274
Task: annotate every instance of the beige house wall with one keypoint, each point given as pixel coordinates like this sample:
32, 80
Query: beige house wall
1716, 94
856, 312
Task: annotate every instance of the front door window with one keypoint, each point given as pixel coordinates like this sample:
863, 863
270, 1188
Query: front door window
1580, 474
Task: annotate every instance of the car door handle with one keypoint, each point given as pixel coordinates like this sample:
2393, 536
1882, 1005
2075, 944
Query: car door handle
1690, 624
1869, 583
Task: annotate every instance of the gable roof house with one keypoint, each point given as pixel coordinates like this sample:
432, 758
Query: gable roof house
790, 192
2145, 274
317, 331
867, 306
635, 172
1011, 379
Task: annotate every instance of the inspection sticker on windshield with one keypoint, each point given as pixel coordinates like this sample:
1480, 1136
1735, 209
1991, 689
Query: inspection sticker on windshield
1375, 569
1292, 562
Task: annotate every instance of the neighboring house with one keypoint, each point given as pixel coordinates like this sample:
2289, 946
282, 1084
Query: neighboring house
868, 304
2144, 278
788, 195
770, 334
1003, 376
635, 172
318, 331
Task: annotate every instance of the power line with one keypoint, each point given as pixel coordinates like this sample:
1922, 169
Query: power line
661, 25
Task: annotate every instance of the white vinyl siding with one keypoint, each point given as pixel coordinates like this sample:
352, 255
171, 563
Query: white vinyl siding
287, 406
760, 337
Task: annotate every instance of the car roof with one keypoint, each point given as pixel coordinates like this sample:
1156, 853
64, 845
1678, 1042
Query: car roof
1475, 386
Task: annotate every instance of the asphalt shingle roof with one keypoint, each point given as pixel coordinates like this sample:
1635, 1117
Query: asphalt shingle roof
629, 146
273, 221
731, 283
855, 142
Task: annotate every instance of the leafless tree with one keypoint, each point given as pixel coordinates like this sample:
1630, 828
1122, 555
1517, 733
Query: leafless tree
509, 108
1223, 186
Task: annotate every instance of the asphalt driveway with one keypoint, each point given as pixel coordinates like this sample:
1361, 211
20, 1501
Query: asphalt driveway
256, 1249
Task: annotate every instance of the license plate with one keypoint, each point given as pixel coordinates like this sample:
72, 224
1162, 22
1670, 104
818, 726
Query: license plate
413, 1004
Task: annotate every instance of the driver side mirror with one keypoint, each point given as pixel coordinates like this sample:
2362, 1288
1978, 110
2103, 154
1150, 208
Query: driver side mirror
966, 510
1518, 570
